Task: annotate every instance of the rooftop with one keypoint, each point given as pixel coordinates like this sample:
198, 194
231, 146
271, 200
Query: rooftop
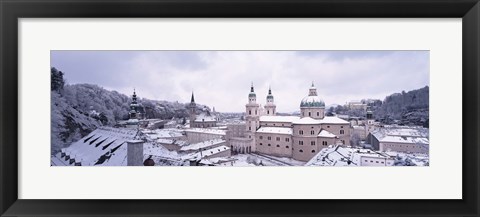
276, 130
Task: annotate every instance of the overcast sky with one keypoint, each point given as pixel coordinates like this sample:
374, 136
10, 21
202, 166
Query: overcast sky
222, 79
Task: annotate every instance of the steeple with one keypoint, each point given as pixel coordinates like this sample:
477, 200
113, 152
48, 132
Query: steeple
133, 106
134, 97
252, 97
193, 99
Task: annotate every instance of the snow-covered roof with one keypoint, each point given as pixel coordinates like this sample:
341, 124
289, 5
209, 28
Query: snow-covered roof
206, 130
307, 120
286, 119
344, 156
172, 142
324, 133
333, 120
163, 133
202, 145
402, 134
276, 130
206, 153
205, 118
404, 139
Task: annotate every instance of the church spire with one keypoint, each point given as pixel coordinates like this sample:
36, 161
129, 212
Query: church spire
269, 90
193, 99
251, 88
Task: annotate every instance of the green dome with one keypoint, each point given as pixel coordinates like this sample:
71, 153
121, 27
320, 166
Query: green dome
312, 101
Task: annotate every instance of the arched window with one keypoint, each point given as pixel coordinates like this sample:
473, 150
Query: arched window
313, 151
278, 146
268, 112
318, 113
249, 112
312, 132
342, 131
300, 132
300, 150
286, 146
312, 143
309, 114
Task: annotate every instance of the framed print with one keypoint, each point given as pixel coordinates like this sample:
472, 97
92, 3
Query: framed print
239, 108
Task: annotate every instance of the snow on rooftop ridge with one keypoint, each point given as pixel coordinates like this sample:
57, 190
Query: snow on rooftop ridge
276, 130
334, 120
286, 119
206, 153
325, 133
202, 145
307, 120
206, 130
344, 156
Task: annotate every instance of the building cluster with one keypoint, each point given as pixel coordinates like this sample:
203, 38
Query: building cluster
310, 138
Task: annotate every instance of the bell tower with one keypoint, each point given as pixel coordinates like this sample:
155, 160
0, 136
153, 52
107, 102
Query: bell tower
270, 107
252, 114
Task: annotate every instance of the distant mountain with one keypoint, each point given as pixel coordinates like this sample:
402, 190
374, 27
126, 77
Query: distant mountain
78, 109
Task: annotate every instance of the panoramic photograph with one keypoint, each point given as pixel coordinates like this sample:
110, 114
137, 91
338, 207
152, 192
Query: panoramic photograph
240, 108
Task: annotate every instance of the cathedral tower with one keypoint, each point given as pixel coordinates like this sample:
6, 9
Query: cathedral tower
270, 107
252, 114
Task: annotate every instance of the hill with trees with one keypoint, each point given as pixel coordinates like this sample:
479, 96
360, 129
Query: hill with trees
78, 109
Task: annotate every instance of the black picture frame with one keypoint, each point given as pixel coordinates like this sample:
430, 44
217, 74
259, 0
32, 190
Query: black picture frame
12, 10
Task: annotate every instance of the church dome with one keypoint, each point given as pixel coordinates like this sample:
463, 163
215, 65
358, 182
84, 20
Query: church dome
312, 101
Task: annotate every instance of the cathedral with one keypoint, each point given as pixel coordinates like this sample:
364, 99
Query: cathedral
204, 119
298, 137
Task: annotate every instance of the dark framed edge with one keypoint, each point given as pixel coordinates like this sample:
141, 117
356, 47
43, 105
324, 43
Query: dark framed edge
12, 10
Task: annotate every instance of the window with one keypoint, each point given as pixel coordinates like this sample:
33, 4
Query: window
249, 112
269, 145
342, 131
366, 160
273, 124
287, 139
343, 142
300, 150
300, 132
318, 113
309, 114
312, 132
268, 112
300, 142
278, 138
255, 111
261, 144
341, 126
313, 151
269, 138
261, 137
324, 143
286, 146
312, 143
328, 126
278, 146
249, 128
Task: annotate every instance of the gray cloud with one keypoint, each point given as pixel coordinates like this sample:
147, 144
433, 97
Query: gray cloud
222, 78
